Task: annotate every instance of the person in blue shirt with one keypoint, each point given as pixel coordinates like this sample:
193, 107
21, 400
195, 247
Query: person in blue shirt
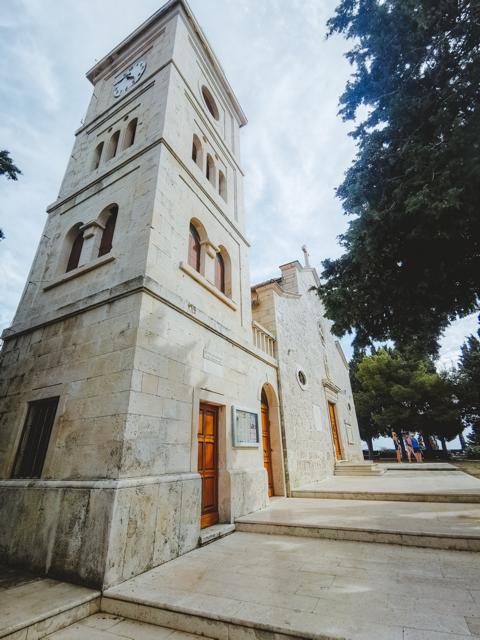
417, 452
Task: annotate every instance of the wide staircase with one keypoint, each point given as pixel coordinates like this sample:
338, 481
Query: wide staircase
312, 568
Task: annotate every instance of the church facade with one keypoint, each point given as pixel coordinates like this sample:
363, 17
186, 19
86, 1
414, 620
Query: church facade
147, 390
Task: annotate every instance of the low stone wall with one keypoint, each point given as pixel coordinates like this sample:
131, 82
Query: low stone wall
98, 533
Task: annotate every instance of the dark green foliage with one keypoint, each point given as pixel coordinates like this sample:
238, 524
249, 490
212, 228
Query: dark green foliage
8, 169
468, 380
412, 251
403, 391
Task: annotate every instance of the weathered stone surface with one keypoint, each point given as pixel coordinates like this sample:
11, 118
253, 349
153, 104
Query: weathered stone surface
132, 341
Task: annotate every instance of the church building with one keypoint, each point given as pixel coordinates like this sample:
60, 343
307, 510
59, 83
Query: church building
147, 390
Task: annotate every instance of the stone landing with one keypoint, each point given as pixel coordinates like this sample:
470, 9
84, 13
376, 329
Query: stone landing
250, 585
407, 483
431, 525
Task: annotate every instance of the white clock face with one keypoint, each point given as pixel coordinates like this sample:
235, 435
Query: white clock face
128, 78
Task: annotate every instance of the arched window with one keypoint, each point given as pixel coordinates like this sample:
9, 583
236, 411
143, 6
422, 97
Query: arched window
210, 102
194, 247
197, 151
222, 185
220, 272
223, 271
130, 133
113, 145
97, 156
75, 251
107, 235
210, 170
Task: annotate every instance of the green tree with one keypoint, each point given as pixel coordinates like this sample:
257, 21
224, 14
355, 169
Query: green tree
468, 379
369, 430
400, 390
8, 169
412, 251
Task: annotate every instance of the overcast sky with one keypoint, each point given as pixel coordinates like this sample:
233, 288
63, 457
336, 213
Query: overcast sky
287, 77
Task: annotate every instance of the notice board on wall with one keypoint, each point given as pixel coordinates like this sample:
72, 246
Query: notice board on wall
245, 428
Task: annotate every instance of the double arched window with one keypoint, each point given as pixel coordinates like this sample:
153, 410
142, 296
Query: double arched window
212, 262
102, 229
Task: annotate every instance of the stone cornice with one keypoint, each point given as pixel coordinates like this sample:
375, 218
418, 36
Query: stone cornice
141, 284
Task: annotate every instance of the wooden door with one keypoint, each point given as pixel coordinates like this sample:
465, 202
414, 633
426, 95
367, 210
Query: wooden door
334, 427
207, 463
267, 447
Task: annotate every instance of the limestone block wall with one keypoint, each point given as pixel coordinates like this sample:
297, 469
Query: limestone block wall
87, 361
292, 311
120, 491
179, 362
98, 533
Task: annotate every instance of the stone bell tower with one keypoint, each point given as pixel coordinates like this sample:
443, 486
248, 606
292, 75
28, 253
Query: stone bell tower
136, 309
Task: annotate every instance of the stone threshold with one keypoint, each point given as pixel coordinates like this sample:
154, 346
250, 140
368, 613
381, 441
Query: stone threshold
215, 532
211, 624
427, 540
468, 498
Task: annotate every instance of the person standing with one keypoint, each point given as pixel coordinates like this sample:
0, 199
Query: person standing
417, 452
409, 446
397, 445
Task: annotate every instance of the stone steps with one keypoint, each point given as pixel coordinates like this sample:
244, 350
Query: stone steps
469, 498
41, 606
358, 469
363, 534
215, 532
199, 620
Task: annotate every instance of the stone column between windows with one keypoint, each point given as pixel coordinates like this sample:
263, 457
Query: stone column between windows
209, 251
92, 234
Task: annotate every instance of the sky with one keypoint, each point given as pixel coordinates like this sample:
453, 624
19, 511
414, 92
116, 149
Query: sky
287, 76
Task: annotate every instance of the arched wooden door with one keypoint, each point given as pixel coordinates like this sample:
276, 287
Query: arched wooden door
267, 447
207, 463
334, 427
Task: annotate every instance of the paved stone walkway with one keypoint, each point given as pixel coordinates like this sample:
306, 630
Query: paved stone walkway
318, 588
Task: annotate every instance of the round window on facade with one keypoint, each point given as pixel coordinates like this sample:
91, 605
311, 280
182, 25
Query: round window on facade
301, 378
210, 102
